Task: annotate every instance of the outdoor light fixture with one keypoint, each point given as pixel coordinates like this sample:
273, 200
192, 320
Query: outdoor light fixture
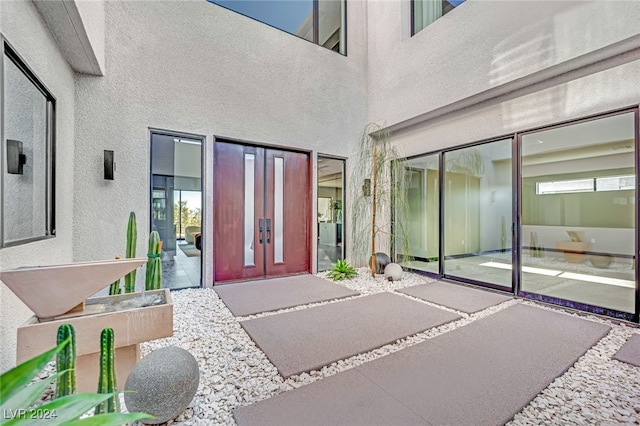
15, 158
366, 187
109, 165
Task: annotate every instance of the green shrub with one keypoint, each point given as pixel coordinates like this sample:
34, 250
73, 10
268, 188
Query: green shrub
342, 270
18, 395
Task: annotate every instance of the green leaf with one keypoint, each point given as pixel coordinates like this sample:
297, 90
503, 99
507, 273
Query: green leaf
27, 395
65, 409
15, 379
109, 419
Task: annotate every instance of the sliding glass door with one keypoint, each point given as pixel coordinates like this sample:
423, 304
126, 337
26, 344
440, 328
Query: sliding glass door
578, 214
422, 182
477, 192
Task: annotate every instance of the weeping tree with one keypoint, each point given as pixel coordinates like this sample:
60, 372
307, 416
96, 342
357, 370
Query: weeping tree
379, 197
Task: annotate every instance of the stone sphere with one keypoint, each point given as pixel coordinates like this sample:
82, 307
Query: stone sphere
393, 272
381, 260
162, 384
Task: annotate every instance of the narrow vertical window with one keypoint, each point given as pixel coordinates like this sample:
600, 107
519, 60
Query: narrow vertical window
28, 185
249, 216
278, 209
426, 12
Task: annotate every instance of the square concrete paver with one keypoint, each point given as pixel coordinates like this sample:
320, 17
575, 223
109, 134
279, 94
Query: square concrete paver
357, 401
485, 372
308, 339
482, 373
630, 351
253, 297
456, 296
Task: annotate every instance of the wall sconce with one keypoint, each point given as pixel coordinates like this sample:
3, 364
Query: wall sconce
15, 158
366, 187
109, 165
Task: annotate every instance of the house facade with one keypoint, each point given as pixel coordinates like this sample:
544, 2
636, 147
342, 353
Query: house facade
505, 110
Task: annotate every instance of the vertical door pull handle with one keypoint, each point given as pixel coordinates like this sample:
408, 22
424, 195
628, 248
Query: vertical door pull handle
261, 227
268, 231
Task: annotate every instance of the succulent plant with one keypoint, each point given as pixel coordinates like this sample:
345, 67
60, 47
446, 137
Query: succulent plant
107, 378
132, 236
342, 270
66, 361
153, 278
115, 286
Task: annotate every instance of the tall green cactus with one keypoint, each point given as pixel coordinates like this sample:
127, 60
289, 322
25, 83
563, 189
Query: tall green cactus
153, 278
107, 378
66, 360
115, 286
132, 237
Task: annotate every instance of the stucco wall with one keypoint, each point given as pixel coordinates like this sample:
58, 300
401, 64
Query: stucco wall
23, 28
198, 68
484, 46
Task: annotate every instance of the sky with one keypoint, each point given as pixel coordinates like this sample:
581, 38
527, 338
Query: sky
286, 15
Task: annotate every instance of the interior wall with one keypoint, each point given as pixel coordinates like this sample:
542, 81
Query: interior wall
198, 68
22, 26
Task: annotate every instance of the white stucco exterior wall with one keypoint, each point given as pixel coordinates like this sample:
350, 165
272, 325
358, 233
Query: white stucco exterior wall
485, 47
198, 68
22, 26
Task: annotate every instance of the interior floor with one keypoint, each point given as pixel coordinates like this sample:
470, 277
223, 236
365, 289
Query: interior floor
183, 269
612, 287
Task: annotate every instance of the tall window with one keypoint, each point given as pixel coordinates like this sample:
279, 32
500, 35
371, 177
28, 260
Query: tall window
27, 154
425, 12
322, 22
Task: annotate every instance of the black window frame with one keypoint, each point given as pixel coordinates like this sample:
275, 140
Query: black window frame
50, 149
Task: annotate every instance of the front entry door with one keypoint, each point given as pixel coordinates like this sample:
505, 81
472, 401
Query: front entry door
261, 212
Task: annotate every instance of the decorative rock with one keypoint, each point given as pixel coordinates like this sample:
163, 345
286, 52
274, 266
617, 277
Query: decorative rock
393, 272
381, 260
162, 384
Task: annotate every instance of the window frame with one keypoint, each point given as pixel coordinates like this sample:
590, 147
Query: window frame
10, 53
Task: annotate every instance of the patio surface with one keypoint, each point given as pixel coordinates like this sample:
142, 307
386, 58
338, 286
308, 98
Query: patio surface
482, 373
630, 351
305, 340
253, 297
456, 296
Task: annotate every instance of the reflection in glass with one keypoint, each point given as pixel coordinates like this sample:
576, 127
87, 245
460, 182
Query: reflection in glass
249, 216
278, 209
329, 212
426, 12
422, 181
477, 213
26, 114
583, 240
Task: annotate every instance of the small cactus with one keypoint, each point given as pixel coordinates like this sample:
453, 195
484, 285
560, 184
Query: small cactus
132, 236
153, 278
66, 360
115, 286
107, 378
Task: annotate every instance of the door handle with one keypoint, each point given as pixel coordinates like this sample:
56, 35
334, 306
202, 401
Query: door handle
261, 227
268, 231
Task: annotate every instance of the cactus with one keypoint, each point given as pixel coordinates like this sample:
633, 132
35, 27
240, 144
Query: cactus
153, 278
115, 286
132, 236
66, 360
107, 378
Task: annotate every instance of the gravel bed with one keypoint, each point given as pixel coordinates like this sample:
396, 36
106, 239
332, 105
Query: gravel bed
234, 372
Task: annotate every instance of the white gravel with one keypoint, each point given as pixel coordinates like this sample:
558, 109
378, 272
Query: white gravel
234, 372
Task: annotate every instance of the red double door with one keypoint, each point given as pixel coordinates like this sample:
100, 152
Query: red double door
261, 212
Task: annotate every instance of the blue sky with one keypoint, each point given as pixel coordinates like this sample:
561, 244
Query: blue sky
284, 14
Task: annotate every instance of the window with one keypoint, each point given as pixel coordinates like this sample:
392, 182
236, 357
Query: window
425, 12
319, 21
28, 154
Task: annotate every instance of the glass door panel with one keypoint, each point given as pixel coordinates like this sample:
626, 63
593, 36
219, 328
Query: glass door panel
423, 214
477, 195
578, 213
330, 214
